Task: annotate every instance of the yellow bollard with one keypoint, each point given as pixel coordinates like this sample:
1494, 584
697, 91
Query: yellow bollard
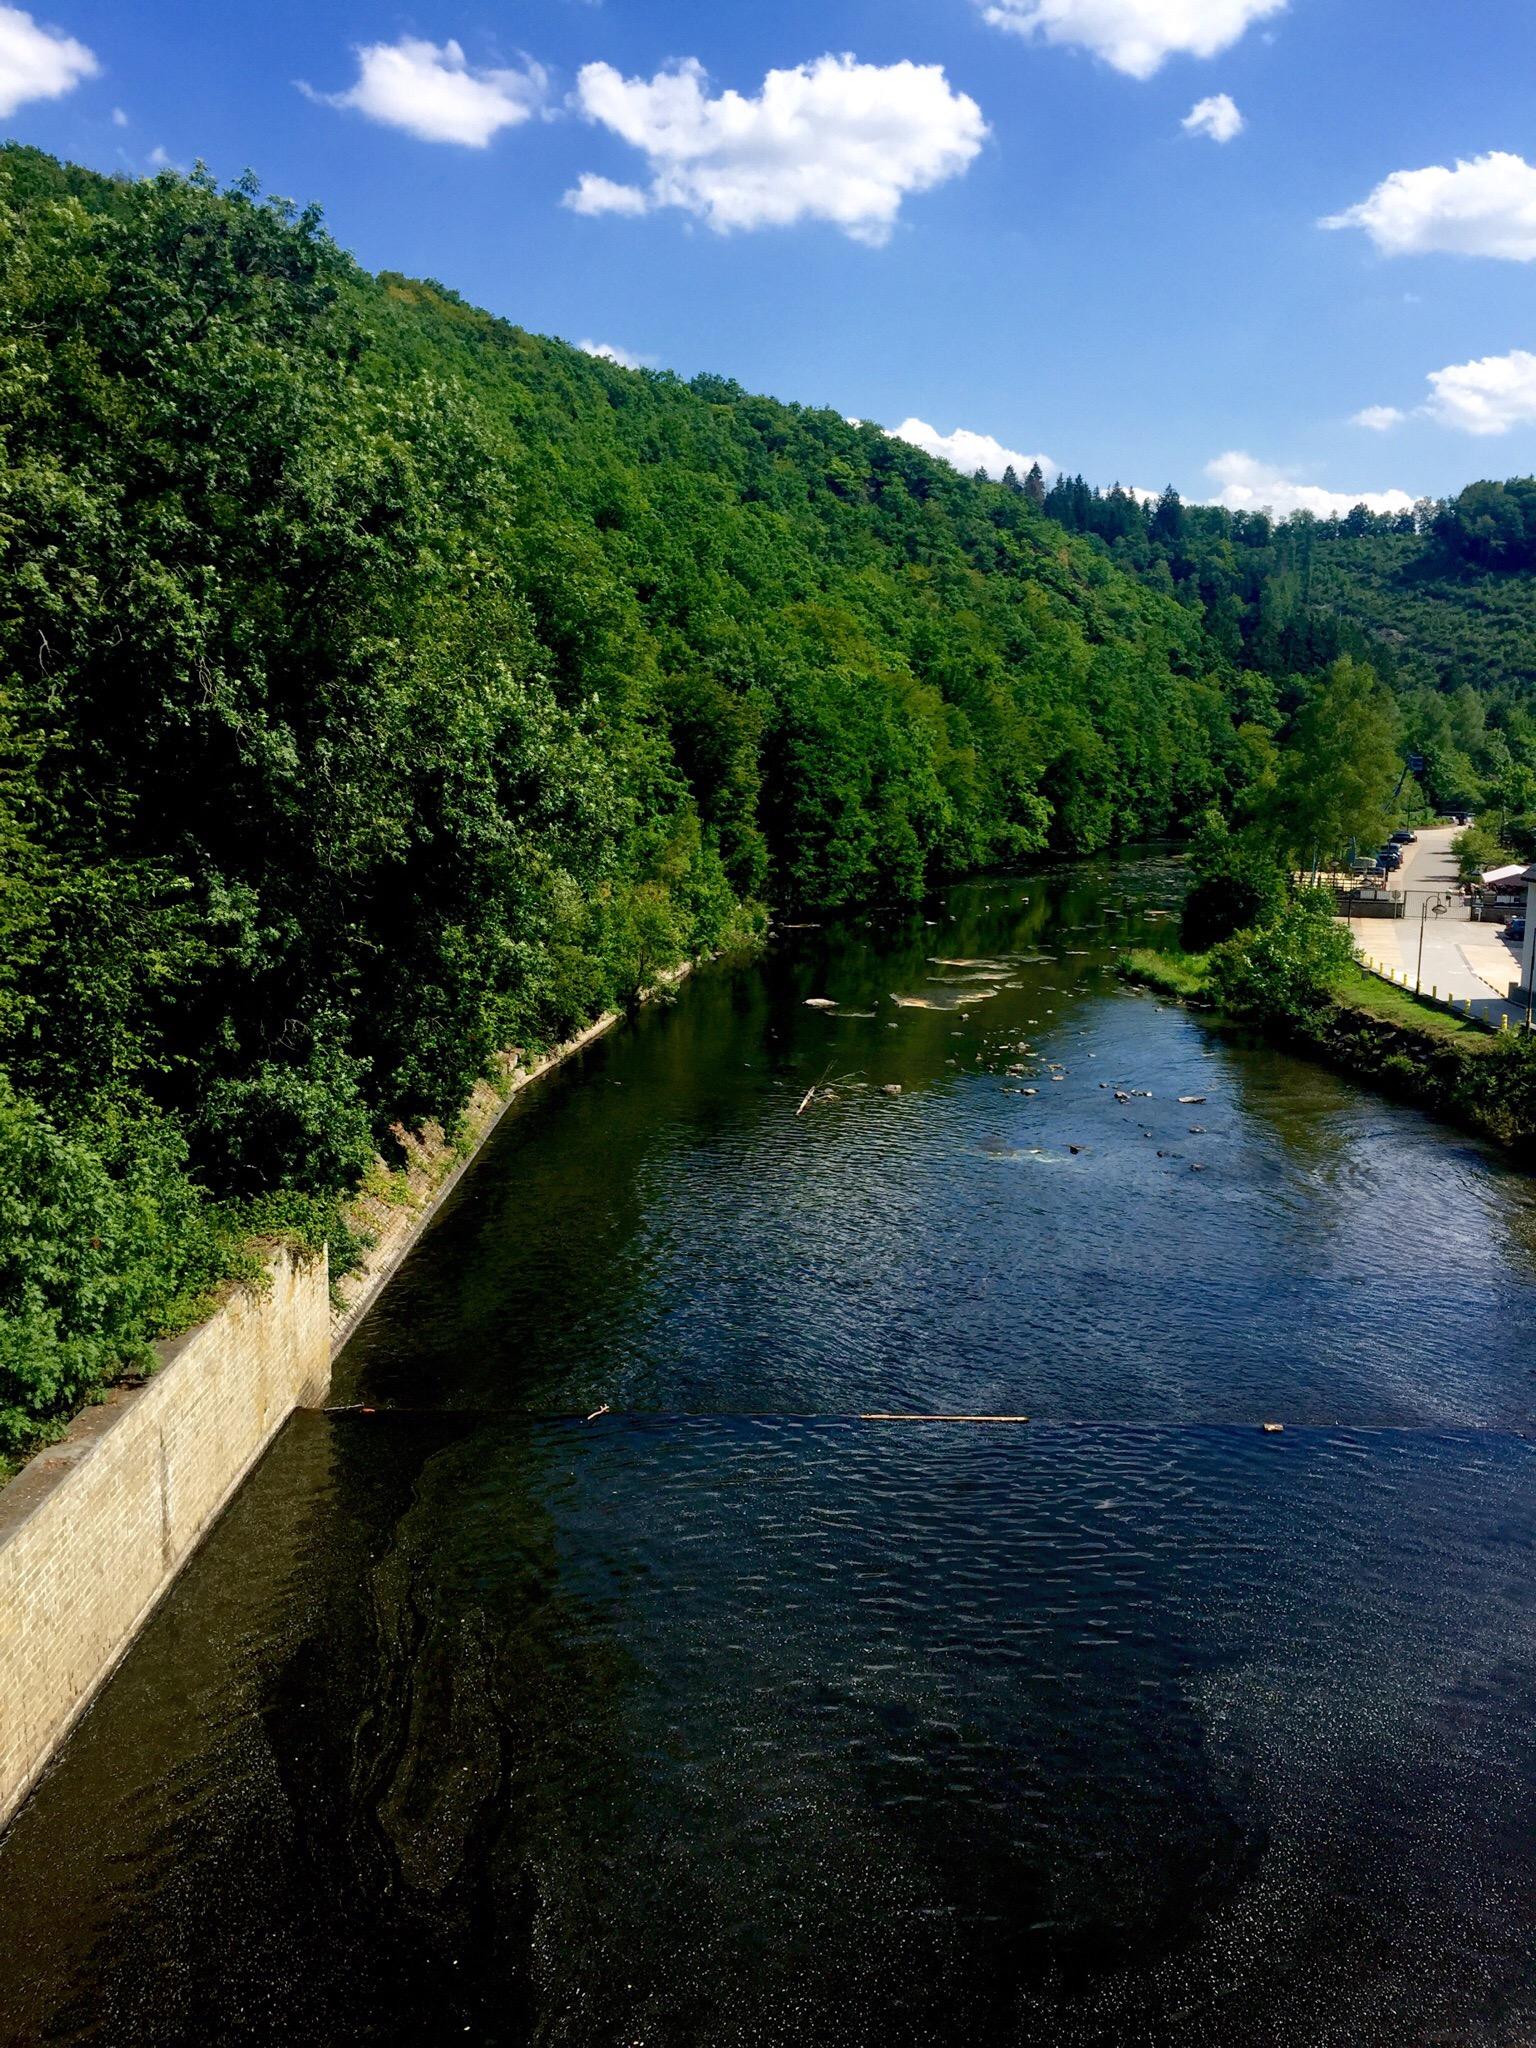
1503, 1020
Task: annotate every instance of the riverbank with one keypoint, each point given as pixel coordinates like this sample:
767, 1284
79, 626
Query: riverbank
469, 1714
96, 1527
393, 1208
1390, 1039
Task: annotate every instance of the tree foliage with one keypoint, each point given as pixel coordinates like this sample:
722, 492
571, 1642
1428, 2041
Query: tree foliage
1337, 774
382, 686
1282, 972
1439, 601
1234, 883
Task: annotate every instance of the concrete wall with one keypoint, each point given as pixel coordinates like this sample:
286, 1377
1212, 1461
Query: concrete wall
93, 1531
434, 1169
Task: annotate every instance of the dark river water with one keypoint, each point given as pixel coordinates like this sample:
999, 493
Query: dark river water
750, 1714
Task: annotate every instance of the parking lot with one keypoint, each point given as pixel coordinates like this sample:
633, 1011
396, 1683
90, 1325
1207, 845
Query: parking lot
1461, 957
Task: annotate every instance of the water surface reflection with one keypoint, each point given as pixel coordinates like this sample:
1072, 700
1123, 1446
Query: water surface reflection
732, 1719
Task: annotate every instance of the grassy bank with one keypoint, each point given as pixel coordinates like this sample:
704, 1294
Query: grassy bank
1184, 975
1387, 1038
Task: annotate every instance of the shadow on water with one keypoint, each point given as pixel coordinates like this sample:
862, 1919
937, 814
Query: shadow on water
731, 1720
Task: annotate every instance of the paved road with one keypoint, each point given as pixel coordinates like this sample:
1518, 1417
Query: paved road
1460, 958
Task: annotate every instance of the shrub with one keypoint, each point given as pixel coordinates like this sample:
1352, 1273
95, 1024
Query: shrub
290, 1125
104, 1244
1283, 972
1235, 884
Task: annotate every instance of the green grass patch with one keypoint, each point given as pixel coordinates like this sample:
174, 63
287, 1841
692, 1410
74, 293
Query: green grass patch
1359, 990
1183, 975
1174, 974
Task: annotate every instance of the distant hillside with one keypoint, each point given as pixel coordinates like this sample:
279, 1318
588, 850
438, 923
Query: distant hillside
1441, 601
1445, 621
381, 685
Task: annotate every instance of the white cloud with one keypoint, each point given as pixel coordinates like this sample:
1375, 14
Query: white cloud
119, 118
1246, 485
430, 91
593, 195
38, 63
834, 140
610, 354
1135, 36
1483, 208
1379, 418
1217, 117
969, 452
1488, 396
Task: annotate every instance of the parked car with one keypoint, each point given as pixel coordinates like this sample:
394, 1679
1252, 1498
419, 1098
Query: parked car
1390, 857
1403, 837
1515, 929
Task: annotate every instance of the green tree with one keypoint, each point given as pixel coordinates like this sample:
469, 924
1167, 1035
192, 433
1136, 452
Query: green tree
1285, 971
1235, 884
1337, 768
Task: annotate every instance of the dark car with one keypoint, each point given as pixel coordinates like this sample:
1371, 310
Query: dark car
1390, 857
1515, 930
1403, 837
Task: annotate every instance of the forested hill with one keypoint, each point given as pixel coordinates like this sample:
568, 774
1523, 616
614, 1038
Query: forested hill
1441, 601
381, 686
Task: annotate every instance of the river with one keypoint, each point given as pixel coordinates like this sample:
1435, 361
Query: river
733, 1718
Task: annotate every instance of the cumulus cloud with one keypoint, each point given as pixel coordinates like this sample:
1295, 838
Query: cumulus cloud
1379, 418
430, 91
1217, 117
968, 452
38, 63
593, 195
1488, 396
834, 140
610, 354
1485, 207
1246, 485
1135, 36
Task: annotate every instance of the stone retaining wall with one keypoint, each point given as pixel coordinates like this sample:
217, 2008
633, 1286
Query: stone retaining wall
94, 1530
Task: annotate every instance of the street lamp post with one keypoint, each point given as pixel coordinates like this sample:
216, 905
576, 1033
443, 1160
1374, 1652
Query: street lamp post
1438, 905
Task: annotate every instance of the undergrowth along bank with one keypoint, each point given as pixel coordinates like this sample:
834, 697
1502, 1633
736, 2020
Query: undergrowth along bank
1382, 1037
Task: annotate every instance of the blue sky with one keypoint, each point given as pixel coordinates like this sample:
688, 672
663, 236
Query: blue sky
993, 219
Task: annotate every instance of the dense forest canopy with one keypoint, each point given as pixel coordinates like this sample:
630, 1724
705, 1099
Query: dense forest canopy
1440, 601
382, 686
